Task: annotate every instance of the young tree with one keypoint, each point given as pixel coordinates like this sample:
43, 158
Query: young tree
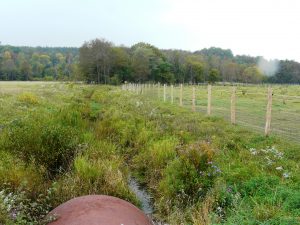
214, 76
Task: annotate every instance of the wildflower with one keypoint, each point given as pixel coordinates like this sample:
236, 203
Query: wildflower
253, 151
286, 175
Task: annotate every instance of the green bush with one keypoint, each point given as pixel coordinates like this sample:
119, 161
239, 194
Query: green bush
191, 175
17, 208
46, 142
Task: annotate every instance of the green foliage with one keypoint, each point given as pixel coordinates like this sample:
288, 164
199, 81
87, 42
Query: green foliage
213, 76
101, 62
189, 177
93, 174
17, 208
151, 163
28, 63
48, 143
252, 75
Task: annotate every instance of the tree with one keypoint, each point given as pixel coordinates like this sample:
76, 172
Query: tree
25, 70
252, 74
95, 60
8, 66
229, 71
176, 60
214, 76
121, 64
141, 63
288, 72
194, 69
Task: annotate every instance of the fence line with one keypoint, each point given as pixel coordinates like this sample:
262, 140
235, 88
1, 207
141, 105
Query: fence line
260, 108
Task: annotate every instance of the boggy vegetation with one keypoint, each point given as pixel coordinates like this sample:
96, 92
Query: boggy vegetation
63, 141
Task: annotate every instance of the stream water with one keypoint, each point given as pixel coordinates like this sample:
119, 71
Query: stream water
142, 195
145, 198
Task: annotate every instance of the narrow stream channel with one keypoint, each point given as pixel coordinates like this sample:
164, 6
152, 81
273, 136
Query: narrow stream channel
142, 195
145, 198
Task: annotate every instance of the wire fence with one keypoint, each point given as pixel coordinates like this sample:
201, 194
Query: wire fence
250, 106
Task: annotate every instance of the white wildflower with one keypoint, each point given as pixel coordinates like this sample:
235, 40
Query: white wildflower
279, 168
253, 151
286, 175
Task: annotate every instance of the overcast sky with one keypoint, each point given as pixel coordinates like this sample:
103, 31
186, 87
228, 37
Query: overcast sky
269, 28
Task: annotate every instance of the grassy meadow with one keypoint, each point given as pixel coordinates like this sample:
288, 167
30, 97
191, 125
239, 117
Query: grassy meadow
62, 140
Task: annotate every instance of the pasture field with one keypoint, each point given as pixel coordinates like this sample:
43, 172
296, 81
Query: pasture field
62, 140
251, 102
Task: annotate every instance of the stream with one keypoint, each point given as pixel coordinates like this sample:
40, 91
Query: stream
145, 198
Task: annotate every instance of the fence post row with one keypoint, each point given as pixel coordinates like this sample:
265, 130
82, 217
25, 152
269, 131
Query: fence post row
181, 93
158, 87
233, 108
172, 94
269, 112
165, 97
209, 100
142, 88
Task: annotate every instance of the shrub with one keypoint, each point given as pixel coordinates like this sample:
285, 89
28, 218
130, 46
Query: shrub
59, 145
188, 177
17, 208
47, 143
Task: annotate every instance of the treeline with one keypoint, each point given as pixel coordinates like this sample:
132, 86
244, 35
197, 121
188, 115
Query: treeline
28, 63
100, 61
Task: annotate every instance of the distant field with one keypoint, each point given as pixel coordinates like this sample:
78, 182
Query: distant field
251, 104
14, 94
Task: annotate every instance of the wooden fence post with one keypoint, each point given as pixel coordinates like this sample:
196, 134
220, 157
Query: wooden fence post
269, 112
165, 96
158, 87
209, 99
233, 103
194, 100
180, 96
172, 94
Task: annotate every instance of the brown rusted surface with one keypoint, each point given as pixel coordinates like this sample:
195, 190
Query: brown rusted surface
98, 210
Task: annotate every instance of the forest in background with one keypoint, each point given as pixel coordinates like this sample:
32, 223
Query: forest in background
100, 61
